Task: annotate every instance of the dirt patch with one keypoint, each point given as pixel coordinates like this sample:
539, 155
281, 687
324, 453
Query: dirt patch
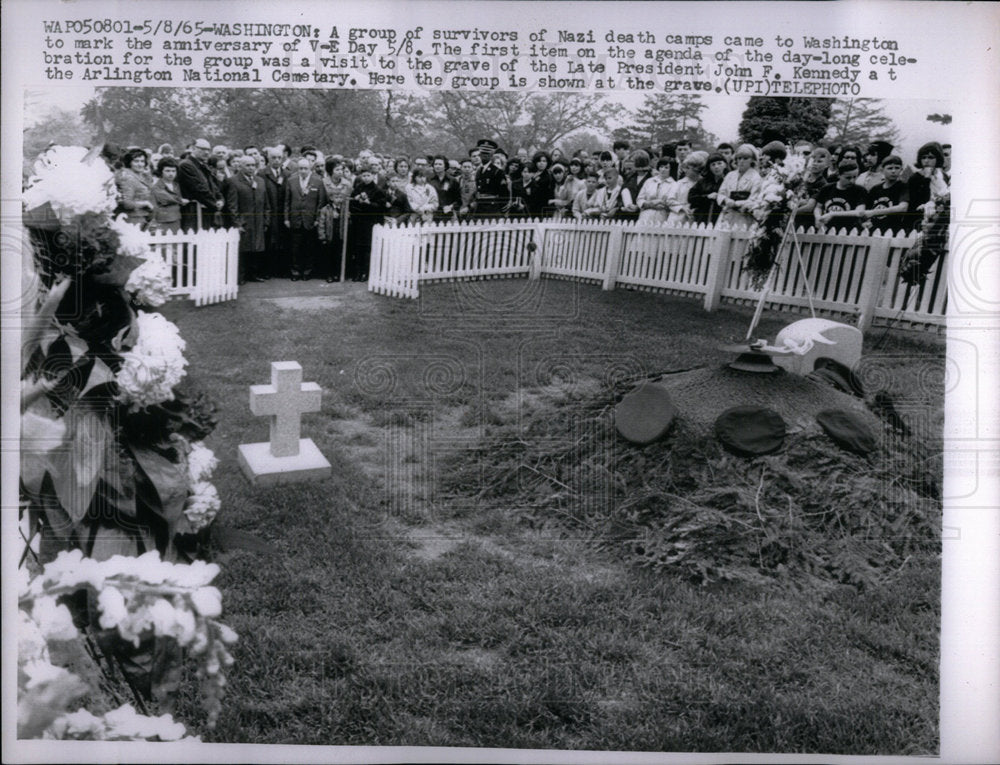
309, 303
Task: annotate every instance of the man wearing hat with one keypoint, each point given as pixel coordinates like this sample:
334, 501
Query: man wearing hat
198, 185
492, 193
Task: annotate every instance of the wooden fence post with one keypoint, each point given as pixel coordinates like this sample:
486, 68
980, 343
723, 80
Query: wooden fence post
718, 268
871, 287
535, 270
614, 256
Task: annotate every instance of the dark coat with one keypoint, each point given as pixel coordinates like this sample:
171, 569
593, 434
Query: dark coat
302, 210
200, 187
275, 190
248, 210
539, 191
448, 192
167, 214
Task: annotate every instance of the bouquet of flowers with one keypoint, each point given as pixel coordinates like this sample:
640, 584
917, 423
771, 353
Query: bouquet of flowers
774, 207
115, 477
108, 426
135, 599
931, 244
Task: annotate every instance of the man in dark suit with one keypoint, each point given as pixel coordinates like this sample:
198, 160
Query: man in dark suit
304, 197
492, 191
274, 177
198, 185
246, 201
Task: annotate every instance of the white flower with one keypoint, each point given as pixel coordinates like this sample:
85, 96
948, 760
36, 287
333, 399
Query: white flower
132, 240
111, 604
207, 601
80, 725
227, 635
201, 462
163, 615
31, 643
126, 723
53, 619
40, 672
195, 574
70, 185
202, 505
151, 282
154, 365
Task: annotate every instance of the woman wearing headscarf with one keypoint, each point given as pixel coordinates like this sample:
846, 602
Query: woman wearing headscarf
737, 188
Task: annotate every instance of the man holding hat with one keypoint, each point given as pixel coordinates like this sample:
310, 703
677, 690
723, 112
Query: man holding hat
492, 193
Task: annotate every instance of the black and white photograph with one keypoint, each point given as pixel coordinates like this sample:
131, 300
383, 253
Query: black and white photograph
502, 382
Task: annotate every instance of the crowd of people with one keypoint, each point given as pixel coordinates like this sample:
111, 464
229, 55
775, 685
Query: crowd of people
300, 212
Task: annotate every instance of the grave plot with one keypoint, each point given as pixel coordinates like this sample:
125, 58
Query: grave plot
470, 574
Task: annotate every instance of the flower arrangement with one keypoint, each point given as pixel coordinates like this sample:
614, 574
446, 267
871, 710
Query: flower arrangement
103, 380
773, 209
115, 475
136, 599
931, 244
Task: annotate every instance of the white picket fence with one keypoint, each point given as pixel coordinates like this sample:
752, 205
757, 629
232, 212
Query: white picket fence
848, 275
204, 264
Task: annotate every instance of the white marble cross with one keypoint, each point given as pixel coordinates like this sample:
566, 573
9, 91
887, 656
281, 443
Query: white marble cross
285, 400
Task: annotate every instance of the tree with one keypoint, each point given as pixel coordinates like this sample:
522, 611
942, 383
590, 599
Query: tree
767, 119
149, 116
664, 117
586, 139
343, 121
859, 121
944, 119
520, 120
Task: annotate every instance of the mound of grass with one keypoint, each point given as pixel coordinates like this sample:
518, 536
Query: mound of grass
685, 505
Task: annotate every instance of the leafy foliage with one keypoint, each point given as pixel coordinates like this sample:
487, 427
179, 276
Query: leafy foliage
345, 121
148, 116
858, 121
105, 469
664, 117
767, 119
943, 119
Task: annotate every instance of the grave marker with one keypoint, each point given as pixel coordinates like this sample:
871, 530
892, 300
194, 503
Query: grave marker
287, 456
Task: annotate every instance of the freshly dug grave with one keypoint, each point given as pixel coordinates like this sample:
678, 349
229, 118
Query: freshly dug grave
686, 505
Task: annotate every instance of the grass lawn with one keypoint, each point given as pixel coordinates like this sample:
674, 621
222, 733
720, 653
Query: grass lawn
390, 612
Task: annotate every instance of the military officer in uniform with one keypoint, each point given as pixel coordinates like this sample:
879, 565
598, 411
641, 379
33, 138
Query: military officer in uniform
492, 191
